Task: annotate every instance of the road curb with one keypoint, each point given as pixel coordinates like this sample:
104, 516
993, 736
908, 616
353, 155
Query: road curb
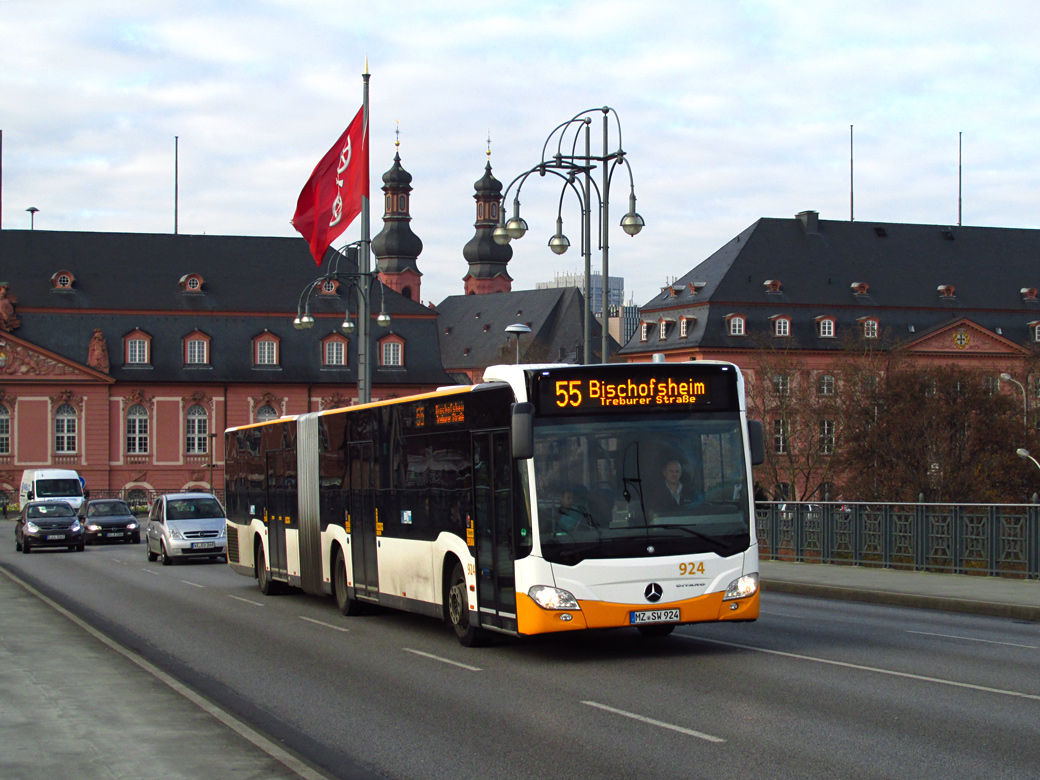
993, 609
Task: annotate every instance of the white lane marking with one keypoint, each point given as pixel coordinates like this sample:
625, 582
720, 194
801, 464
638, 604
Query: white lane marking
652, 722
193, 584
443, 660
782, 614
247, 601
876, 670
973, 639
150, 571
247, 732
327, 625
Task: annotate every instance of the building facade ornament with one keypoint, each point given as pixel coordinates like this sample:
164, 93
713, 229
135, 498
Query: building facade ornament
8, 320
97, 352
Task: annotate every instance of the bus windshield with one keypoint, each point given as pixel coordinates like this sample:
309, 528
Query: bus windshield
641, 487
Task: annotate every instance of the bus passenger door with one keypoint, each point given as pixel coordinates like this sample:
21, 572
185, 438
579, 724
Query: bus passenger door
493, 527
278, 509
363, 521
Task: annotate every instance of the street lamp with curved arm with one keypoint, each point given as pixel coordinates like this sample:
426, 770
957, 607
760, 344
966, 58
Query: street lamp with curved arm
575, 169
1025, 414
361, 283
1024, 455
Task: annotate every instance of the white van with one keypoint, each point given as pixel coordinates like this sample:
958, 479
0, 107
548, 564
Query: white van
55, 484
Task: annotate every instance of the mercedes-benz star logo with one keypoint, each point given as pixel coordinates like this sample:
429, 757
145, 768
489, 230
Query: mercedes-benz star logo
653, 592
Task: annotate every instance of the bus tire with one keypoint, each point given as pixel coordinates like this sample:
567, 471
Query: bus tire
457, 599
263, 576
347, 605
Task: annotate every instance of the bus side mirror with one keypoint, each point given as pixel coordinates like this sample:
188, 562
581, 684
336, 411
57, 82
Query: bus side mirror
523, 430
757, 437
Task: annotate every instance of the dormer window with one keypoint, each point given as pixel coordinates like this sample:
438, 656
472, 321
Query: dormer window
644, 331
781, 325
684, 326
196, 349
860, 288
63, 281
1028, 293
736, 324
870, 327
825, 327
265, 350
663, 330
191, 283
334, 351
772, 285
1034, 332
946, 291
328, 287
137, 348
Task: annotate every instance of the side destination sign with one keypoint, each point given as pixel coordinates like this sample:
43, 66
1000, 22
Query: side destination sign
605, 390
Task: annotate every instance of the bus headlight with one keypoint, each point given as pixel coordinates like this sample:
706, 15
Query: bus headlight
742, 587
548, 597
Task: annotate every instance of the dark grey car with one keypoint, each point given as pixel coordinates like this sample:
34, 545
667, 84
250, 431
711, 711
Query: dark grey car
48, 524
109, 520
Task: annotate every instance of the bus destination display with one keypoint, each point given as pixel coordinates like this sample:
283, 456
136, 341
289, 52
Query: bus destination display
605, 391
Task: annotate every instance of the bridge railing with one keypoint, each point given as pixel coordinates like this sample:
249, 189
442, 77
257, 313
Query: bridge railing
1001, 540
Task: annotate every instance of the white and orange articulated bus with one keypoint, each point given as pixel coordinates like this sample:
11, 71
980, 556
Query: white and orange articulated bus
547, 498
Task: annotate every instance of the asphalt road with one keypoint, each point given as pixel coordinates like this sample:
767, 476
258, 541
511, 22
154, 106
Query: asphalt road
814, 689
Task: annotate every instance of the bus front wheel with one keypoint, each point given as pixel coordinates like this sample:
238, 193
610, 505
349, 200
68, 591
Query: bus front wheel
263, 576
458, 611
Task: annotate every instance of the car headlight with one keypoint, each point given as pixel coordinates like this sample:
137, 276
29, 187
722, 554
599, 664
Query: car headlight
742, 587
75, 527
93, 527
131, 526
31, 527
548, 597
176, 534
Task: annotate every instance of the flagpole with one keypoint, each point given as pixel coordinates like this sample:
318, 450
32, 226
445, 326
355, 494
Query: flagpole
364, 259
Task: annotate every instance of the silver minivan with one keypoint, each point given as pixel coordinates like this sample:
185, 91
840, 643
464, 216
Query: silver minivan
186, 525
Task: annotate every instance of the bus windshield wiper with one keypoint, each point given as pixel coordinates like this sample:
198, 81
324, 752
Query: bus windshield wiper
706, 537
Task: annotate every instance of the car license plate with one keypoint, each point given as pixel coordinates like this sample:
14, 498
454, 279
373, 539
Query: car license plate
202, 545
114, 533
55, 536
653, 616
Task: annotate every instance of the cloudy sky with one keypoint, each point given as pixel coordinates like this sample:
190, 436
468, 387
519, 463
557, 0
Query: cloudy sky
730, 111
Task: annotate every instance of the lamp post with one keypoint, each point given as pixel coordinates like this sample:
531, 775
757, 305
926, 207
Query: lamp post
32, 217
575, 168
516, 330
1024, 455
361, 283
1025, 414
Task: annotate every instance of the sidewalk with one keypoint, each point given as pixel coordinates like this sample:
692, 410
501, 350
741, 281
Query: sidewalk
996, 596
73, 706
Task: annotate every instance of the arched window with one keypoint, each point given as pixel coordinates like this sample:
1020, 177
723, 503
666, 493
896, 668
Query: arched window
196, 429
65, 430
136, 430
5, 430
265, 413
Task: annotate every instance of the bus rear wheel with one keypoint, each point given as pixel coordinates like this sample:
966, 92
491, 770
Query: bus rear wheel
268, 586
458, 611
347, 605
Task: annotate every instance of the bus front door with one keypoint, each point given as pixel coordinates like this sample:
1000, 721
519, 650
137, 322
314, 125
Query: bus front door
280, 505
363, 535
493, 529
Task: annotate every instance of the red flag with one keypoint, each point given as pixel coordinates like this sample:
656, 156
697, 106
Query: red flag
331, 198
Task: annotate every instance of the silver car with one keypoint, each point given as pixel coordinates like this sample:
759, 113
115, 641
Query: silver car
186, 525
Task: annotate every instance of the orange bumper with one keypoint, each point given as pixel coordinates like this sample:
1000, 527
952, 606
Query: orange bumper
532, 619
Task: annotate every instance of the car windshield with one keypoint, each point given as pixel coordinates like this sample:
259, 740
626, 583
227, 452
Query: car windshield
631, 487
50, 488
50, 510
193, 509
107, 508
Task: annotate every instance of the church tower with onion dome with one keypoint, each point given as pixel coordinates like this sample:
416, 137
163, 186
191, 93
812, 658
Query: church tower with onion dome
397, 248
487, 259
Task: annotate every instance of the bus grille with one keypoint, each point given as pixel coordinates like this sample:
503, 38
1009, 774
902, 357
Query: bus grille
232, 545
